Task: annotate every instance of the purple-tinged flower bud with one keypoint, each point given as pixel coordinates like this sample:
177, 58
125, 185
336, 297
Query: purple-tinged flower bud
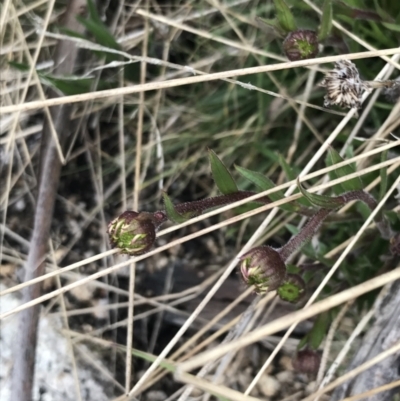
307, 361
292, 289
301, 44
263, 268
134, 233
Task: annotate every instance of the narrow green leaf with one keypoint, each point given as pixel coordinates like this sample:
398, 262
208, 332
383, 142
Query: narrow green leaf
271, 27
326, 21
323, 201
172, 214
264, 183
392, 27
285, 16
221, 175
340, 7
317, 333
102, 35
350, 185
151, 358
383, 13
93, 14
68, 85
384, 178
290, 173
303, 341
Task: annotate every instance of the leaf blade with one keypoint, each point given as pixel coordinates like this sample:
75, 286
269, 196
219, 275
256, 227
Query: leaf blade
322, 201
326, 21
222, 177
352, 184
285, 16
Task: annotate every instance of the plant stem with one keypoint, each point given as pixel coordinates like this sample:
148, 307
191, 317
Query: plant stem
363, 196
313, 225
202, 205
50, 167
305, 235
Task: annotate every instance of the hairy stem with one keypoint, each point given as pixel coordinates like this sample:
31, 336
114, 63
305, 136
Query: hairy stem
381, 223
305, 235
315, 222
202, 205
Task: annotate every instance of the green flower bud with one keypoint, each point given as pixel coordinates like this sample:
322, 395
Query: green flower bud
301, 44
307, 361
134, 233
263, 268
292, 289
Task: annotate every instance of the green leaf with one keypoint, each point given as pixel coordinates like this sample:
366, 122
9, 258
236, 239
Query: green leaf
352, 184
289, 172
392, 27
323, 201
172, 214
355, 13
264, 183
101, 34
326, 21
317, 333
285, 16
99, 30
92, 10
151, 358
68, 85
383, 174
383, 13
303, 341
271, 27
221, 175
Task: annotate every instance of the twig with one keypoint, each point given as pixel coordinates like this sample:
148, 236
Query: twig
49, 173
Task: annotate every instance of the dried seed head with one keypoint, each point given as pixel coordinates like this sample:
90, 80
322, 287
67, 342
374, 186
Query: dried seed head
292, 289
344, 86
307, 361
263, 268
134, 233
301, 44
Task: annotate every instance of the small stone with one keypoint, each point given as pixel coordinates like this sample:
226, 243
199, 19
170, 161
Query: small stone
286, 363
285, 376
268, 386
156, 395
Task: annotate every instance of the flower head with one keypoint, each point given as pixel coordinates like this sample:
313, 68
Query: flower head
134, 233
292, 289
301, 44
344, 86
307, 361
263, 268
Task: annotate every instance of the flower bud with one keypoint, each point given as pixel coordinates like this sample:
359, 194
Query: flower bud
134, 233
307, 361
263, 268
292, 289
300, 45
